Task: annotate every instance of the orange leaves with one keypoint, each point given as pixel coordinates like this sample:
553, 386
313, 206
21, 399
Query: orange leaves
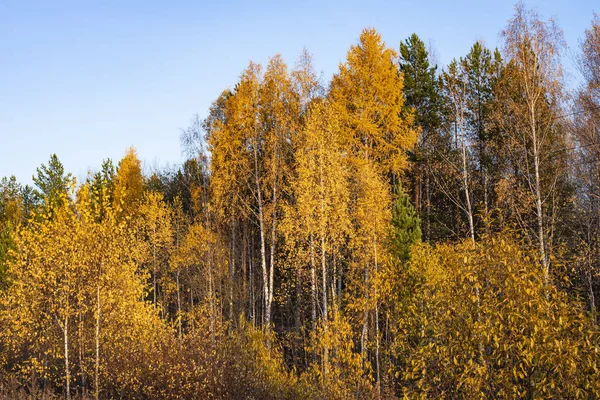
128, 182
368, 91
321, 189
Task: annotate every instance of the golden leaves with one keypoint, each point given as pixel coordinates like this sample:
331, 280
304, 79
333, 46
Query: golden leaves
368, 92
486, 329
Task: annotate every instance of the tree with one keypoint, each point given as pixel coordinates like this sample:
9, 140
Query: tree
371, 215
102, 185
49, 252
128, 183
529, 101
422, 88
202, 253
12, 214
234, 143
343, 377
278, 117
318, 220
455, 86
406, 226
369, 93
179, 226
74, 309
52, 183
482, 69
586, 169
251, 143
155, 224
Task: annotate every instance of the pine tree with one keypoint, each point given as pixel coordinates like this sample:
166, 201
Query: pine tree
52, 183
482, 69
12, 214
406, 226
422, 89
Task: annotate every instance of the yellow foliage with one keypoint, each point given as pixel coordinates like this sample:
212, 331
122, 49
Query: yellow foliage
129, 184
368, 90
482, 324
340, 375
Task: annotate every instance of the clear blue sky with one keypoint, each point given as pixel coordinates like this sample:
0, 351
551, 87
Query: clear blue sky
86, 79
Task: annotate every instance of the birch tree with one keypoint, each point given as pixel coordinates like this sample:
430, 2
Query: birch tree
531, 103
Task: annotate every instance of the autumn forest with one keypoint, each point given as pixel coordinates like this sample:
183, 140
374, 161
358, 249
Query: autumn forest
404, 230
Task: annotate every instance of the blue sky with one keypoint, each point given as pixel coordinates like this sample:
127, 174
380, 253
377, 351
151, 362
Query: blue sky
87, 79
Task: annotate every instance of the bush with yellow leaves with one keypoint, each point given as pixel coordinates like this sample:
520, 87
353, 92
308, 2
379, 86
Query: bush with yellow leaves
482, 323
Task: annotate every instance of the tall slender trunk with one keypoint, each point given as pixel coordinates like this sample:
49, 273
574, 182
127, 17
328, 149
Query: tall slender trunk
418, 188
459, 106
251, 283
192, 307
178, 285
313, 283
263, 255
365, 331
324, 297
211, 296
469, 215
244, 249
428, 206
81, 353
323, 262
154, 268
466, 188
596, 246
297, 315
340, 273
486, 206
377, 369
66, 354
179, 330
590, 282
97, 339
334, 280
231, 270
538, 197
273, 241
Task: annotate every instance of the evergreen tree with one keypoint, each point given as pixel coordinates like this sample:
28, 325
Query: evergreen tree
52, 183
12, 213
482, 68
422, 88
421, 84
406, 225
